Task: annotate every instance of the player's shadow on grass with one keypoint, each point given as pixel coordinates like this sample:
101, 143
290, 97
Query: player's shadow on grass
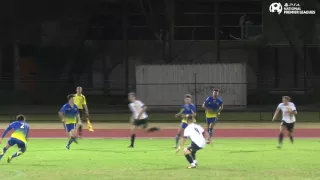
99, 150
248, 151
47, 150
121, 152
36, 165
175, 168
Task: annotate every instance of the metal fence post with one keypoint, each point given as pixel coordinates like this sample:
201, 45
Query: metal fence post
195, 89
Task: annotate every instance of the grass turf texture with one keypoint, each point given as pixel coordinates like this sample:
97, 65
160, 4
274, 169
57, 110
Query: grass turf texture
169, 117
227, 159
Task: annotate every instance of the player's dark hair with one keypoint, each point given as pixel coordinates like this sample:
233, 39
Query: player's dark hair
216, 89
188, 96
20, 117
287, 98
70, 96
132, 94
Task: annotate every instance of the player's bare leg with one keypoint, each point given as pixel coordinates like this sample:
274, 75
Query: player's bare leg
79, 129
290, 134
152, 129
193, 154
73, 138
133, 136
75, 132
189, 157
281, 135
4, 150
210, 132
180, 131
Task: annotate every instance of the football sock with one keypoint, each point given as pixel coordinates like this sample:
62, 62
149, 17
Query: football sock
177, 140
75, 139
70, 141
280, 138
133, 137
291, 137
193, 155
210, 131
80, 129
18, 153
4, 150
189, 158
195, 161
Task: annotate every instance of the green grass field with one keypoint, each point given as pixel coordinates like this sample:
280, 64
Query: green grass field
234, 159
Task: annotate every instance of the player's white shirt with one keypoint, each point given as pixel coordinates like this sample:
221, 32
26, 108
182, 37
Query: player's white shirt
195, 133
136, 108
286, 116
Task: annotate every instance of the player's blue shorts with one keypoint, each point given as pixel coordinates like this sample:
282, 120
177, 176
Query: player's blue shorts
70, 127
183, 125
19, 143
211, 120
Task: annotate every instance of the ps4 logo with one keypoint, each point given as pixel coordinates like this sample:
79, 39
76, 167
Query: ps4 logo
291, 5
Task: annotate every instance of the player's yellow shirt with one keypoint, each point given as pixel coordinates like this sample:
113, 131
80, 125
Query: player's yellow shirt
70, 113
211, 114
21, 131
214, 106
184, 120
80, 100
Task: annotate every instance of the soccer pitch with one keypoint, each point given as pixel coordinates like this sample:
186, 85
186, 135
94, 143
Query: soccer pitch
226, 159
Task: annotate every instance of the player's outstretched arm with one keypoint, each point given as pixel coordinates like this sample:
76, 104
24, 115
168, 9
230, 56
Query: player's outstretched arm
179, 114
221, 108
206, 136
204, 106
5, 132
144, 109
194, 114
295, 112
78, 117
61, 115
276, 114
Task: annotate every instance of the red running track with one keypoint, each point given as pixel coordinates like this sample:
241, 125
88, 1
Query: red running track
166, 133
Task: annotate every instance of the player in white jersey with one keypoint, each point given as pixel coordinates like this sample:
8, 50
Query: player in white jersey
138, 118
289, 111
198, 138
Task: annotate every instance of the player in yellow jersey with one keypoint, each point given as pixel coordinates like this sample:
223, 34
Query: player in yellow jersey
81, 102
213, 105
187, 109
18, 137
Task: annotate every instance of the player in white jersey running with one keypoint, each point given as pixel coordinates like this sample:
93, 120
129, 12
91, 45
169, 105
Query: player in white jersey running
138, 118
289, 111
198, 138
